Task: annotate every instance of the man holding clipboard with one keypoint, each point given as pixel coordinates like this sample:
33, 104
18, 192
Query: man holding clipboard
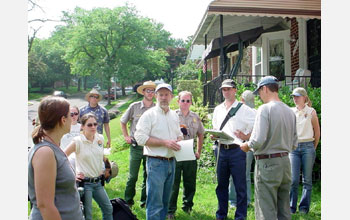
229, 117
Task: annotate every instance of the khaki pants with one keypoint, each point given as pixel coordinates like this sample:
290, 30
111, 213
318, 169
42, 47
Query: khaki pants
272, 186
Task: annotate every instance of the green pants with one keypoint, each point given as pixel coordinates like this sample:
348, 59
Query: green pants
188, 169
136, 157
272, 186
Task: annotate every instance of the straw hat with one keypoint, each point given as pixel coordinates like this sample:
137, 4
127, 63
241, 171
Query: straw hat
93, 92
114, 169
147, 84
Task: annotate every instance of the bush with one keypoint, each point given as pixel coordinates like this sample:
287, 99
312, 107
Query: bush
194, 86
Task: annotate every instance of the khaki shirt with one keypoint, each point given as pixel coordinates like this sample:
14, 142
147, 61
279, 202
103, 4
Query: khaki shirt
192, 123
133, 114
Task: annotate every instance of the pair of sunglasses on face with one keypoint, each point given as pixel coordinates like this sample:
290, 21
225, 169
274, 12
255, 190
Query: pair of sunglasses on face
94, 96
183, 100
91, 124
149, 91
72, 114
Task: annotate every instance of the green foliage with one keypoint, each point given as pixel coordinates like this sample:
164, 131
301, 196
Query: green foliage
194, 86
187, 71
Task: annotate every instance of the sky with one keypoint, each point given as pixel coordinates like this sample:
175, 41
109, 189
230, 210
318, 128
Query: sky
180, 17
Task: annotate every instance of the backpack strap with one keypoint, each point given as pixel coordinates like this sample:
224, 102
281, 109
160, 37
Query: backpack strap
230, 114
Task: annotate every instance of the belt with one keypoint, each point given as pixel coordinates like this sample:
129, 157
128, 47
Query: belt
266, 156
229, 146
161, 158
92, 180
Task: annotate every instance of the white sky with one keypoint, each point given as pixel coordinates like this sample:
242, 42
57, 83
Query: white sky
180, 17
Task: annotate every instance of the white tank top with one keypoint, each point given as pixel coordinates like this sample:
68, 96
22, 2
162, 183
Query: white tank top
304, 126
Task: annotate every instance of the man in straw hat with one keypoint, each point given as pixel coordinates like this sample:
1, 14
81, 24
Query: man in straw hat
133, 114
93, 97
274, 136
159, 130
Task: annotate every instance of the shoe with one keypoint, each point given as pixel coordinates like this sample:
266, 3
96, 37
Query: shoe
130, 205
143, 205
171, 216
303, 211
187, 210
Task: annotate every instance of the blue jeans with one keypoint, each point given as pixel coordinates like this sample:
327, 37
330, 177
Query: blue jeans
303, 157
97, 191
231, 162
160, 179
232, 191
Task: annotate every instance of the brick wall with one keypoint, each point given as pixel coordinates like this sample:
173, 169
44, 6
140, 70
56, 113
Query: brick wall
294, 34
215, 67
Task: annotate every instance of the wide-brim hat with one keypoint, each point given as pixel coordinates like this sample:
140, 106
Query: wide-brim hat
300, 91
114, 169
93, 92
228, 83
265, 81
147, 84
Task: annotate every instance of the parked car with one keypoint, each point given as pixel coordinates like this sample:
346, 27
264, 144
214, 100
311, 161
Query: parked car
111, 96
60, 94
97, 87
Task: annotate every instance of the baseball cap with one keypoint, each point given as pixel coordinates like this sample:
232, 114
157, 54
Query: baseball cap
228, 83
265, 81
164, 85
300, 91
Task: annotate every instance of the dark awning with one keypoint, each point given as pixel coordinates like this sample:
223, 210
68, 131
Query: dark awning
230, 42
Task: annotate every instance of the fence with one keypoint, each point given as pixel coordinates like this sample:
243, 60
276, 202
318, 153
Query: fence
212, 96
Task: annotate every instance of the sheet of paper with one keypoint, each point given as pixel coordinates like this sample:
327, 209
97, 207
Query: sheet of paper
186, 152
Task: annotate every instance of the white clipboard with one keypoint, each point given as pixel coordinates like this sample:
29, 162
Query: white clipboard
220, 134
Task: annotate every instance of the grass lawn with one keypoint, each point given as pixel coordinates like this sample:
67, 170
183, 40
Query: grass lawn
205, 201
34, 93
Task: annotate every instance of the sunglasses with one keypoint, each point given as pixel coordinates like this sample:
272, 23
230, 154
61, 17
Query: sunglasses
74, 113
183, 100
91, 124
184, 131
94, 96
149, 91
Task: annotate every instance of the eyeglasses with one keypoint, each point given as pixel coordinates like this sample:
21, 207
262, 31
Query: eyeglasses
149, 91
94, 96
91, 124
74, 113
183, 100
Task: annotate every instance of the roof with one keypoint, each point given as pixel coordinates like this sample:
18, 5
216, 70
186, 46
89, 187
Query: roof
241, 15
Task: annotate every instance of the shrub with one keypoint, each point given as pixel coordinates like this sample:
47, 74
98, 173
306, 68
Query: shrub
194, 86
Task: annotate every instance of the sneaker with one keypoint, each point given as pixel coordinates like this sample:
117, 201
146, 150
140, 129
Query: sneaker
187, 210
130, 205
303, 211
171, 216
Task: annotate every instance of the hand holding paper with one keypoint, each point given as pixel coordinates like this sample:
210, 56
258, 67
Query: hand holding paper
186, 151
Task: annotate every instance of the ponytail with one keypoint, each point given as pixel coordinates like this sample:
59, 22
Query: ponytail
37, 134
308, 101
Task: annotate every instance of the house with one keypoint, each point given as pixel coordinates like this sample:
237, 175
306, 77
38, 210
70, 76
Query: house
271, 37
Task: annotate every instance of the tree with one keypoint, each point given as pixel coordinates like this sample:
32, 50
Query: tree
187, 71
114, 43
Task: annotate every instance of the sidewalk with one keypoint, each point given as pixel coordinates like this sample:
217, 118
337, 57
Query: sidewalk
120, 103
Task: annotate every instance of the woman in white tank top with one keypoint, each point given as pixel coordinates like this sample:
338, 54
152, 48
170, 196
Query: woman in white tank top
303, 157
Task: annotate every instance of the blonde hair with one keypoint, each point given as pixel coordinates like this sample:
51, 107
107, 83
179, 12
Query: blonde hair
308, 101
182, 93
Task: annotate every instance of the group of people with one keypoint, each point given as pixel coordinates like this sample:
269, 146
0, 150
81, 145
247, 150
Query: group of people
67, 153
282, 140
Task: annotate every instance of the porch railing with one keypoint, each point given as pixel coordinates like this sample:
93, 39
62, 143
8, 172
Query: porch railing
212, 96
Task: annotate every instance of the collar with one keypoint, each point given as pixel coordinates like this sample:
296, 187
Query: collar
84, 139
143, 105
234, 104
180, 113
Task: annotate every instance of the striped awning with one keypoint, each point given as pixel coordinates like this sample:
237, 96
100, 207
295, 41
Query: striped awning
241, 15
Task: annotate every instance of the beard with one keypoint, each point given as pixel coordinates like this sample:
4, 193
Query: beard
164, 104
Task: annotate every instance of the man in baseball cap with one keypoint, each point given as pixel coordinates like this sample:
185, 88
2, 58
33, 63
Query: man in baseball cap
265, 81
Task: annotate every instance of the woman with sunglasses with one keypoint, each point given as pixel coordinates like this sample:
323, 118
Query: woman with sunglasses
88, 148
303, 157
74, 131
51, 180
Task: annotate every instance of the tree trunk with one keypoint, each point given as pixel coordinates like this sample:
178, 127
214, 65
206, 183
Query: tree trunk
41, 87
79, 83
85, 83
123, 91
